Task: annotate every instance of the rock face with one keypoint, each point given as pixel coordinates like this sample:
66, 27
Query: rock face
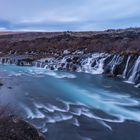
12, 128
18, 60
1, 84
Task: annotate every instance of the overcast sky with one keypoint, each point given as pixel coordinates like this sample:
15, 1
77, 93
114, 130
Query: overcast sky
74, 15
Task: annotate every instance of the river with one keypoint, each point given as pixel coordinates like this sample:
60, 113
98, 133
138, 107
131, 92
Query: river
72, 105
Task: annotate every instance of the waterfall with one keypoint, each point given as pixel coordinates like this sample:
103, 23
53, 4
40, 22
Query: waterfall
134, 71
96, 63
96, 58
126, 67
100, 69
116, 60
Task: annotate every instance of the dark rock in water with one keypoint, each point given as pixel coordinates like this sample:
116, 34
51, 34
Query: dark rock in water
74, 68
108, 60
1, 84
51, 68
13, 128
118, 70
2, 61
107, 70
62, 65
60, 68
76, 58
110, 75
69, 60
9, 87
93, 64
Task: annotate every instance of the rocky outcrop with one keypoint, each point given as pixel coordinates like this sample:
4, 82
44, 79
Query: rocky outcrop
13, 128
49, 44
1, 84
19, 60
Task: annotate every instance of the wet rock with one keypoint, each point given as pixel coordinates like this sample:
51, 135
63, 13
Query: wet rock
1, 84
13, 128
74, 68
107, 69
75, 58
118, 70
110, 75
93, 64
51, 68
9, 87
69, 60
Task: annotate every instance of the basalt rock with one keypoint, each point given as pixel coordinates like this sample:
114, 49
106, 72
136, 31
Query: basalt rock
13, 128
1, 84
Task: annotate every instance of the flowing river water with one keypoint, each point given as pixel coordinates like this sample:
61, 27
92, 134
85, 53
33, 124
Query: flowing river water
66, 105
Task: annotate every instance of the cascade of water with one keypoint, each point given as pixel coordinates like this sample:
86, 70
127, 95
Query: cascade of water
126, 67
135, 70
98, 59
89, 63
86, 64
100, 66
117, 60
1, 60
111, 62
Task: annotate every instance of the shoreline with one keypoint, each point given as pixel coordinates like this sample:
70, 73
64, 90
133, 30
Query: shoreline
15, 128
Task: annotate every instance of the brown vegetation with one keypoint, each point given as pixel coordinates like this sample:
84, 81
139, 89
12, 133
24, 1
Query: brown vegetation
112, 41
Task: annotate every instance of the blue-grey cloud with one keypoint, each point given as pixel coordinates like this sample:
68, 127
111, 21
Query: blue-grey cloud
55, 15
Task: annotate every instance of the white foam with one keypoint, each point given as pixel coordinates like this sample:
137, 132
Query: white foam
39, 115
126, 102
32, 114
129, 82
14, 74
51, 108
85, 138
137, 86
39, 72
44, 130
58, 117
60, 109
76, 111
66, 117
47, 107
49, 119
91, 115
75, 122
105, 124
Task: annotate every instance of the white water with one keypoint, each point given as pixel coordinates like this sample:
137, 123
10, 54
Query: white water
98, 68
135, 70
88, 63
126, 67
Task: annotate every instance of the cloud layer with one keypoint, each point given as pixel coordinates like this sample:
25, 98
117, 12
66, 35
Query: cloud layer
75, 15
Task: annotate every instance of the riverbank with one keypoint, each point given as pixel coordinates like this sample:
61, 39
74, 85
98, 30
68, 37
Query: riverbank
38, 44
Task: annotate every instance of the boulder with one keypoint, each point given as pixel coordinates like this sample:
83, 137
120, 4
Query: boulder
13, 128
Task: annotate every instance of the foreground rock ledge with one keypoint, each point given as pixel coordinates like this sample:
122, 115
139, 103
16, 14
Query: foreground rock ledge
13, 128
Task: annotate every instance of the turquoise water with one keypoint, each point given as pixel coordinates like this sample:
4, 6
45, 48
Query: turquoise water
60, 99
